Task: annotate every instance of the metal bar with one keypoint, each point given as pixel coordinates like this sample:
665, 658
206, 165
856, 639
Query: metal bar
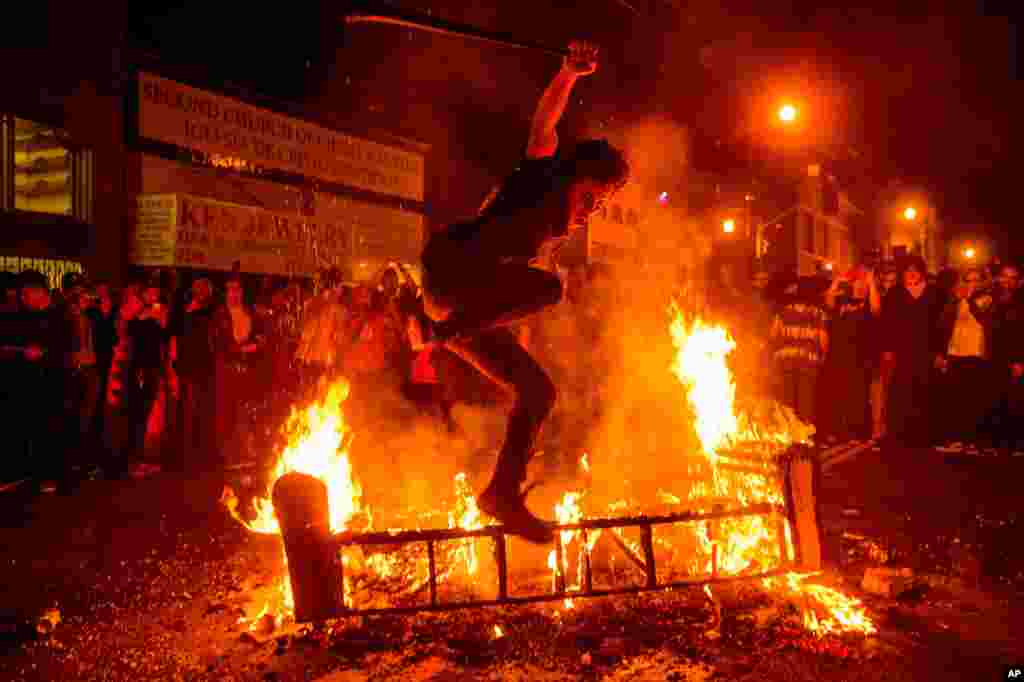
714, 549
559, 565
501, 558
588, 578
647, 541
442, 534
768, 473
432, 567
630, 554
533, 599
747, 455
448, 28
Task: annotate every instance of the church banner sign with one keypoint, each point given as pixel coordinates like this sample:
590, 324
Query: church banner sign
177, 114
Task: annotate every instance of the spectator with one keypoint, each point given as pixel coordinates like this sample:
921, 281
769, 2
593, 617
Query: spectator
909, 316
325, 332
882, 366
429, 387
962, 359
104, 318
800, 340
150, 342
851, 301
9, 293
195, 368
34, 349
1006, 326
126, 409
235, 341
82, 374
379, 352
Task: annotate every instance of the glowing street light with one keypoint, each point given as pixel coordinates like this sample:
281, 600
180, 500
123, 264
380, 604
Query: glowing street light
910, 213
729, 226
970, 253
787, 113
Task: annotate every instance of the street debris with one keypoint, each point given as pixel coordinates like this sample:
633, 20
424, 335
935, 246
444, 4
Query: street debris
887, 582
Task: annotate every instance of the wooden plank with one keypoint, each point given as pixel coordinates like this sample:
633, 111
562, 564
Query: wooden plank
314, 562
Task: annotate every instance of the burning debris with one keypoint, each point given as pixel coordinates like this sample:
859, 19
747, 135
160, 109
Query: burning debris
727, 525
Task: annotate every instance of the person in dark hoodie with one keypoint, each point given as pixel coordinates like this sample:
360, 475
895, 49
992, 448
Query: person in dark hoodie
195, 365
909, 341
35, 348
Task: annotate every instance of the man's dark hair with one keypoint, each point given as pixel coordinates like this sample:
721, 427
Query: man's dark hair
33, 278
596, 160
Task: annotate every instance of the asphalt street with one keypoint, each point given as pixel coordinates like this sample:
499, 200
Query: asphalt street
150, 579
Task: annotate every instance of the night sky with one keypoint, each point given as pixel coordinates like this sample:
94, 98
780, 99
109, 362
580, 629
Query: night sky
925, 93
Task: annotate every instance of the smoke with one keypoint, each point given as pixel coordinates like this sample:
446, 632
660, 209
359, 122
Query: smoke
609, 353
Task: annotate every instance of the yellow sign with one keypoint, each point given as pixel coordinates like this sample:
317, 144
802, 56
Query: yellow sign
153, 242
190, 118
189, 231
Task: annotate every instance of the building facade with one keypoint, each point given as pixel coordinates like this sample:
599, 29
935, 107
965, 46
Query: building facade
124, 159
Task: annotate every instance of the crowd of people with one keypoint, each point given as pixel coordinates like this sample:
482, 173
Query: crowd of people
201, 375
160, 375
166, 375
891, 353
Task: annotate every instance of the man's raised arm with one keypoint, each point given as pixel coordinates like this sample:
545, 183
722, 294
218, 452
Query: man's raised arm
582, 61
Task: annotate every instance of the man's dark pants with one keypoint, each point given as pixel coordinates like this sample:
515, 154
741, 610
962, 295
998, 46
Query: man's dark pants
81, 399
480, 302
196, 408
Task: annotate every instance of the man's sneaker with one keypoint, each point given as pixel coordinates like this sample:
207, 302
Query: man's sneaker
510, 509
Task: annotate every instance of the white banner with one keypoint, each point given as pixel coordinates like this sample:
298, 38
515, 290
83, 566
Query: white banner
187, 117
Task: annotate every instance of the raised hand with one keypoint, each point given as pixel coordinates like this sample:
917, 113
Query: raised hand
582, 58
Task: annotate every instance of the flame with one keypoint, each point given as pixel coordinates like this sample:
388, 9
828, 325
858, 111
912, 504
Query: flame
467, 516
498, 632
316, 445
569, 511
844, 613
700, 365
735, 545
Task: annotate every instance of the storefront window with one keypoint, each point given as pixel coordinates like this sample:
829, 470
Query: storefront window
43, 177
54, 269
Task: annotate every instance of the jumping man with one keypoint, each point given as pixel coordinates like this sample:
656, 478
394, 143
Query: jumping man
478, 278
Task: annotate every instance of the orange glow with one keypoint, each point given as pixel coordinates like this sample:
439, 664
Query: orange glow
317, 445
910, 213
787, 113
729, 226
969, 253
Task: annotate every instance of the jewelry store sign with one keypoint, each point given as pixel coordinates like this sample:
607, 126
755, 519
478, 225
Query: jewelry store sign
186, 231
174, 113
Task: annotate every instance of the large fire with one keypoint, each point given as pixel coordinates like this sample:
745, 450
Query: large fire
319, 440
701, 365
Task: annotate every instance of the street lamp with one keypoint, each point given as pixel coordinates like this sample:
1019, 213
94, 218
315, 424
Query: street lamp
787, 113
729, 226
910, 213
969, 253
